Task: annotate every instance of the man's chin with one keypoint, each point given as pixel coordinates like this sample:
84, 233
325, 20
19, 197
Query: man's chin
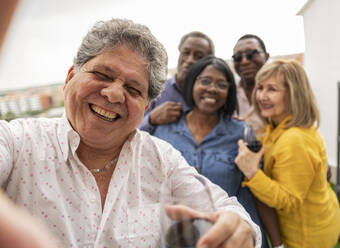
249, 79
180, 75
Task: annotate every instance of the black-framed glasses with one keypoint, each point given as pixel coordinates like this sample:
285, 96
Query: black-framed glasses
206, 81
250, 55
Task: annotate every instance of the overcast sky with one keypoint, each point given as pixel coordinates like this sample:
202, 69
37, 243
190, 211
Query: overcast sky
45, 34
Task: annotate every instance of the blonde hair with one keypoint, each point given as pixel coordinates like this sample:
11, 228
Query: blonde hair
300, 100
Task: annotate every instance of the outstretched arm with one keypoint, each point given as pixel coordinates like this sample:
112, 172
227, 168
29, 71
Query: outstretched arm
19, 229
228, 230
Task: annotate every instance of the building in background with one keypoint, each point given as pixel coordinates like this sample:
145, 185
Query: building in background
322, 63
30, 101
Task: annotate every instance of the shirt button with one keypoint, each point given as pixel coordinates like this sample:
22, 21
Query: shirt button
93, 200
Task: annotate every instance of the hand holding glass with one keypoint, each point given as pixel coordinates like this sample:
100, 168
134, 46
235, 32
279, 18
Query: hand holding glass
250, 139
181, 230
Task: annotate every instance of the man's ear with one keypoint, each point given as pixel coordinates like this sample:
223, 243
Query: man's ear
70, 74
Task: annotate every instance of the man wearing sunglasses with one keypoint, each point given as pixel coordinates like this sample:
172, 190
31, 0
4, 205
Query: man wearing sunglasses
250, 55
169, 106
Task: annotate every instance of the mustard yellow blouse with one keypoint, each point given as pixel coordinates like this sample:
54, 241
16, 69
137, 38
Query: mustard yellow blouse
294, 183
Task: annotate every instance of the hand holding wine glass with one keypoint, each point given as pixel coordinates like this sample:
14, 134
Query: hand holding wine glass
249, 153
186, 223
250, 139
181, 226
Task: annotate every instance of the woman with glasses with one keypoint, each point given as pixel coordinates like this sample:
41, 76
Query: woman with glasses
294, 177
207, 135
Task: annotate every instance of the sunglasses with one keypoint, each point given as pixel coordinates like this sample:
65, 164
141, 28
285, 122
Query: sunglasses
250, 55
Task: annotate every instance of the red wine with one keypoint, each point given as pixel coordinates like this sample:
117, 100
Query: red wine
186, 233
254, 146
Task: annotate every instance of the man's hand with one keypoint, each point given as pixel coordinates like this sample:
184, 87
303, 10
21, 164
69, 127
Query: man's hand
248, 161
165, 113
229, 230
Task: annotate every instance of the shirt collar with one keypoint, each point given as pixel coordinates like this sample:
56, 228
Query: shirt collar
220, 129
69, 139
174, 84
274, 132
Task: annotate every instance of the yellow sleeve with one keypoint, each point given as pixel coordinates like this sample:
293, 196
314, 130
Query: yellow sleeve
293, 168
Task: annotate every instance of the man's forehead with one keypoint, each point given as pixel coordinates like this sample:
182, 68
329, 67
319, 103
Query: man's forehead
107, 60
195, 42
114, 63
246, 44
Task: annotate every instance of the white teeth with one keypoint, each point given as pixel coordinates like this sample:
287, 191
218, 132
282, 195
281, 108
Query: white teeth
266, 106
210, 100
104, 113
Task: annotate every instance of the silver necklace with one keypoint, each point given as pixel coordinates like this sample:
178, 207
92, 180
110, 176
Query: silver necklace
106, 167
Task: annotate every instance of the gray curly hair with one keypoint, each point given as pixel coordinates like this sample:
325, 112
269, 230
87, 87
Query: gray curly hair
107, 35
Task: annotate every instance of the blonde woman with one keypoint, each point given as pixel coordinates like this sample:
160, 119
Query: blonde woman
293, 180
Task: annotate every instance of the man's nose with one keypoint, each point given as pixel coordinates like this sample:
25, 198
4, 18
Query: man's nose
244, 59
114, 92
191, 59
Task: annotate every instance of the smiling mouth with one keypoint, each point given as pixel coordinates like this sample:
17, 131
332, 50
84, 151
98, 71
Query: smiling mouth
248, 71
266, 106
103, 114
209, 100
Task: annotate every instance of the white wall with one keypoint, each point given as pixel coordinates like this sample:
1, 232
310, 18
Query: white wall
322, 63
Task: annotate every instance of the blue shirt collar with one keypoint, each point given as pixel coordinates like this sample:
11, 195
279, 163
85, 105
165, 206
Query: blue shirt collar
222, 128
174, 84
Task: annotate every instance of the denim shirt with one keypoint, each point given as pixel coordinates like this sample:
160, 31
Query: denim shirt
214, 157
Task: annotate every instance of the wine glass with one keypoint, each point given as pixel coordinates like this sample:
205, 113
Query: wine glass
183, 231
250, 139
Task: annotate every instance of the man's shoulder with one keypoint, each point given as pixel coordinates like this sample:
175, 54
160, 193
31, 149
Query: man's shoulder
32, 124
170, 81
170, 88
151, 142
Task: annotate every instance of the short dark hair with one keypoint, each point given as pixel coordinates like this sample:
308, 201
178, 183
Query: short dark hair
253, 36
231, 103
198, 34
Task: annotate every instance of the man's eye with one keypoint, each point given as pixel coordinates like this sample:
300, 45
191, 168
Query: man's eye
198, 56
185, 53
134, 91
102, 76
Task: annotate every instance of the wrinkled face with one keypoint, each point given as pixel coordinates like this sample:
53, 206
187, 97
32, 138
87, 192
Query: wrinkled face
192, 49
210, 90
271, 98
106, 99
247, 68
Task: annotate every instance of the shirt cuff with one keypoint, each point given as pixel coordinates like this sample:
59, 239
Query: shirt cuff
247, 182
